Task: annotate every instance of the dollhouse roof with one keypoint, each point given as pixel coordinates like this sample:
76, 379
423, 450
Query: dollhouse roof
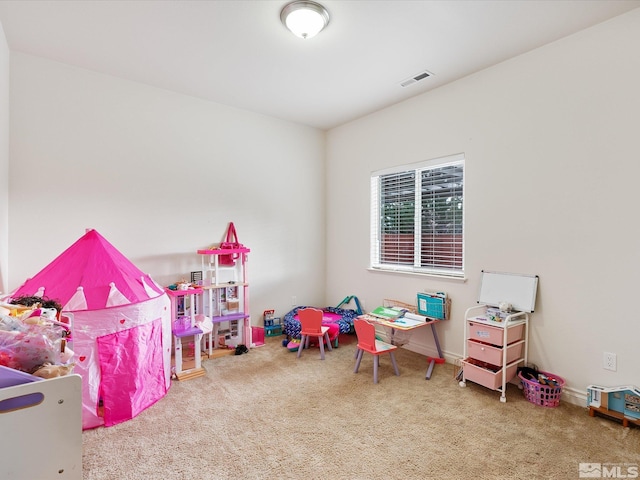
91, 275
630, 388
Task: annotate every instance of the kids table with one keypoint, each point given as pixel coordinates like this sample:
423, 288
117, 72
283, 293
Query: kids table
408, 323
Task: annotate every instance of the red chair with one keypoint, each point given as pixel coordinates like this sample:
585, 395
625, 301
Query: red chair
311, 326
366, 333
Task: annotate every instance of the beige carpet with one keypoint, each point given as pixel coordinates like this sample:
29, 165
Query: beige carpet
268, 415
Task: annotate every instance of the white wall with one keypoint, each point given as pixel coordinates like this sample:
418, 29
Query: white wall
551, 146
160, 175
4, 161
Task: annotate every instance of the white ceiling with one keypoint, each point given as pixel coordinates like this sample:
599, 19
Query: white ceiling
237, 52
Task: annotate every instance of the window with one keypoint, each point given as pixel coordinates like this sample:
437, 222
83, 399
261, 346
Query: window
417, 217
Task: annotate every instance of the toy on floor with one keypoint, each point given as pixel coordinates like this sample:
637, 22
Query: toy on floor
621, 403
272, 324
240, 349
293, 345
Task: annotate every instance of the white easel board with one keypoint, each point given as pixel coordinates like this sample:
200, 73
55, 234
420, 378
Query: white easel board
517, 289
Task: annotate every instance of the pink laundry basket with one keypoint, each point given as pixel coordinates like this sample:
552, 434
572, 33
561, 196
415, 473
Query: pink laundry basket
544, 395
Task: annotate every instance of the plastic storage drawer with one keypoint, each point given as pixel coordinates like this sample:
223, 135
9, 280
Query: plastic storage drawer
490, 354
485, 374
494, 335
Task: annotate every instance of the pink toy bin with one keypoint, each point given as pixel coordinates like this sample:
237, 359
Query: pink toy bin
257, 336
543, 395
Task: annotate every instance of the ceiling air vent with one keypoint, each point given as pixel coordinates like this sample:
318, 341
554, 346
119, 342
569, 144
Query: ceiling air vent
416, 78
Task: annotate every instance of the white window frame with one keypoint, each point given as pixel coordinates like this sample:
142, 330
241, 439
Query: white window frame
412, 261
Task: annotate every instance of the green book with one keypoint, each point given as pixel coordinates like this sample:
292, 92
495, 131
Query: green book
388, 313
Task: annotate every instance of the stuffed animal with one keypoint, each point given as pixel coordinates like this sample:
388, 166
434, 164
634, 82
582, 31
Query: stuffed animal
51, 371
505, 307
40, 316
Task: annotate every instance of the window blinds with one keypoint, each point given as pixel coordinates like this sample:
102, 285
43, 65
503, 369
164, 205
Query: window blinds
417, 218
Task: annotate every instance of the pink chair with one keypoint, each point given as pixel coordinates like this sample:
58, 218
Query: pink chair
311, 326
366, 333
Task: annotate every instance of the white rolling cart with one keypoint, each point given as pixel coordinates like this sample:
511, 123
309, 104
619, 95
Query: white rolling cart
495, 341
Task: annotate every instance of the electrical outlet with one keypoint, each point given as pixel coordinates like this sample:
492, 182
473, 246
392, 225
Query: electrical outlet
609, 361
293, 301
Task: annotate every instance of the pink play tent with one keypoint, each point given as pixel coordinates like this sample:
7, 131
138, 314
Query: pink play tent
121, 332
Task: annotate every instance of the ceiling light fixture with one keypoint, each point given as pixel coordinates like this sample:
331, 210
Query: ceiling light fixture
305, 19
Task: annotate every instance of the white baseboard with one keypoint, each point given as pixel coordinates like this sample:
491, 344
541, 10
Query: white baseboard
574, 397
569, 395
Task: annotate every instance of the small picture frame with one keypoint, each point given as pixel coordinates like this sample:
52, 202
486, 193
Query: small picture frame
196, 277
